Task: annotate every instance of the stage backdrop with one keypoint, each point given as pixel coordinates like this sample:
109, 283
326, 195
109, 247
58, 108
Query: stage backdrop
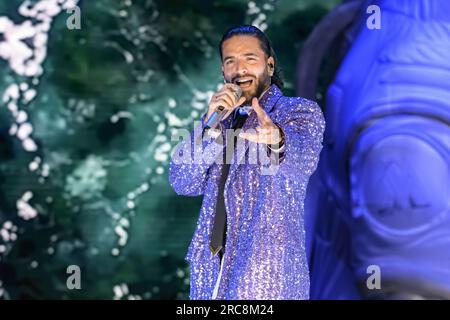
91, 92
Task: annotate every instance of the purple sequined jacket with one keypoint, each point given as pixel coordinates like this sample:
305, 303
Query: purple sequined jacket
265, 245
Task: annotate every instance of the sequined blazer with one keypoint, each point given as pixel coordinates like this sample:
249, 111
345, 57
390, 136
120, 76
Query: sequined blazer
265, 254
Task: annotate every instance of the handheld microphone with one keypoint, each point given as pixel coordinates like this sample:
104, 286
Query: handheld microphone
218, 115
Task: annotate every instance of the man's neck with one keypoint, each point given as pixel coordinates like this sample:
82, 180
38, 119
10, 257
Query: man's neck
262, 94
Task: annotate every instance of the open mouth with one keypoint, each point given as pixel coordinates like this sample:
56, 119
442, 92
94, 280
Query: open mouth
244, 82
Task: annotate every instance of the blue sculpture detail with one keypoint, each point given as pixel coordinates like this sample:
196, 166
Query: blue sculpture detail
381, 194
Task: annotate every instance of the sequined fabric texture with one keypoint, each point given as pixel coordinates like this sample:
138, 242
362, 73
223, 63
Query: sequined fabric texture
265, 246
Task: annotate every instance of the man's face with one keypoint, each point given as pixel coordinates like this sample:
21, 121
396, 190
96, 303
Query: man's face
244, 63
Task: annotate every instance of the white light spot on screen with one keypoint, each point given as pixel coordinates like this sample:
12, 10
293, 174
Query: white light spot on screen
119, 115
24, 47
180, 273
24, 131
162, 152
13, 129
45, 170
125, 222
21, 116
172, 103
31, 93
198, 105
12, 106
173, 120
194, 114
8, 231
40, 39
12, 92
5, 235
29, 145
34, 165
161, 127
120, 291
123, 235
25, 210
23, 86
117, 292
130, 204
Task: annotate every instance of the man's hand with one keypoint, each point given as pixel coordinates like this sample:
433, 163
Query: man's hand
225, 97
266, 132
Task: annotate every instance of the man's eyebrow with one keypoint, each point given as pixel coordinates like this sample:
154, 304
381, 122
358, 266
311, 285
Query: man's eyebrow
245, 55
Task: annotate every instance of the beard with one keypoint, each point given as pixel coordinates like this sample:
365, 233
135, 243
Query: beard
257, 91
259, 85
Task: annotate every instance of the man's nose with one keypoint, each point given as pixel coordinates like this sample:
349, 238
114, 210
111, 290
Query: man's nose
241, 68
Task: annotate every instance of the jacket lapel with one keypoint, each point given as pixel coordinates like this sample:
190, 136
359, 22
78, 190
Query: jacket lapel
268, 102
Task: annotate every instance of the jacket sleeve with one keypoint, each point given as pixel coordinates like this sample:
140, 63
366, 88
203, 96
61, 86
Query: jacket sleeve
303, 128
191, 160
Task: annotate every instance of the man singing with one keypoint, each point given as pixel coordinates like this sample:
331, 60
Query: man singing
250, 239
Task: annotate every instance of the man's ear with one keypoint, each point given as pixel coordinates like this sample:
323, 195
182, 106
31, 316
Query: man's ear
271, 65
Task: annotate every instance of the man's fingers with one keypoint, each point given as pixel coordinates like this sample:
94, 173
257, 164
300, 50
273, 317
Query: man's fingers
231, 90
249, 136
225, 96
228, 113
263, 130
256, 106
240, 101
229, 86
261, 114
227, 93
230, 97
262, 135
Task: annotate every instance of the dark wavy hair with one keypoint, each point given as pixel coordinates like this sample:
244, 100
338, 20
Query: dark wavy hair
248, 30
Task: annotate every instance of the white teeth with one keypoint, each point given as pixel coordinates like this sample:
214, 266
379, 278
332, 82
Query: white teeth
243, 81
